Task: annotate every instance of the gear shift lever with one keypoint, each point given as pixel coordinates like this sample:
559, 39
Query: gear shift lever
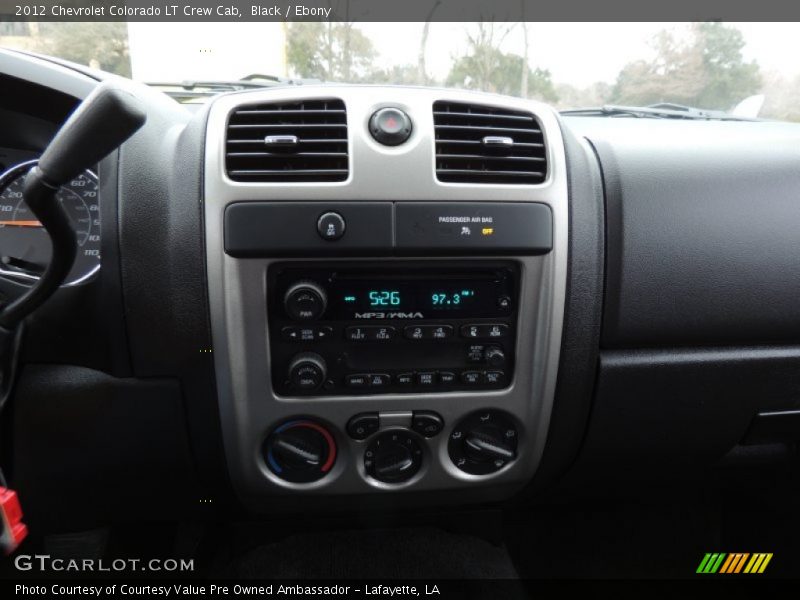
101, 123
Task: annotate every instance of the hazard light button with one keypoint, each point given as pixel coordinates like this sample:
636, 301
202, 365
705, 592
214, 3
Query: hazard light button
390, 126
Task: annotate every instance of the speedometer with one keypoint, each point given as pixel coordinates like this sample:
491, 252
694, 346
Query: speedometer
25, 247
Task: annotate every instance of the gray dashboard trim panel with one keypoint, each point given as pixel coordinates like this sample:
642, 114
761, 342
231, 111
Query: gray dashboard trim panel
249, 407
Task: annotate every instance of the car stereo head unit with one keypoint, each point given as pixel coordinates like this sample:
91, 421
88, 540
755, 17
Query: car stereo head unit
342, 328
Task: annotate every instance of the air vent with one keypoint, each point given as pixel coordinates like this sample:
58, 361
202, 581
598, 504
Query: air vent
288, 142
484, 144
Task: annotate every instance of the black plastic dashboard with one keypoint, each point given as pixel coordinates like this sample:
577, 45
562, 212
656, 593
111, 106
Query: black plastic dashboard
677, 261
707, 210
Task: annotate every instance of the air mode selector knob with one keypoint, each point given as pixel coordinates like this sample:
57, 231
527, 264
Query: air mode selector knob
305, 301
486, 443
483, 442
307, 371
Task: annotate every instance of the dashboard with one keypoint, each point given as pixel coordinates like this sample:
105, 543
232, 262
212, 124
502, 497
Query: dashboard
319, 295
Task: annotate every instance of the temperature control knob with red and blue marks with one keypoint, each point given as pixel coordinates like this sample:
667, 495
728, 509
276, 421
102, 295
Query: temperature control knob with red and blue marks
300, 451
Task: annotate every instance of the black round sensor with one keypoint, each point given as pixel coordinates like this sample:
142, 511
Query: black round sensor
390, 126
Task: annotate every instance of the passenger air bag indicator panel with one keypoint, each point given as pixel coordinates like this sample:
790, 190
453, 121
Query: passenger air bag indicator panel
473, 227
324, 229
400, 327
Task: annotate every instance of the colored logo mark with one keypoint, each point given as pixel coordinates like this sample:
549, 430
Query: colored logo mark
735, 562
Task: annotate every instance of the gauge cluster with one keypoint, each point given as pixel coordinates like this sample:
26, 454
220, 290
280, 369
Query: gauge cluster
25, 248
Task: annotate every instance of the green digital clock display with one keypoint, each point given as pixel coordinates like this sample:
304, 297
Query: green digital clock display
382, 298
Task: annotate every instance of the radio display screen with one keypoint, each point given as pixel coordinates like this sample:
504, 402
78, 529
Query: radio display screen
407, 296
455, 297
398, 291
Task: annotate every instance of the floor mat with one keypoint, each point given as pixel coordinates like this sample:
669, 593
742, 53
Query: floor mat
408, 553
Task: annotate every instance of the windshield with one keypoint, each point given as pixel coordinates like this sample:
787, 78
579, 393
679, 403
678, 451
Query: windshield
748, 68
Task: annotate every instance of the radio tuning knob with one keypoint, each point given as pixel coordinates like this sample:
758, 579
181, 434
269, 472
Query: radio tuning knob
305, 301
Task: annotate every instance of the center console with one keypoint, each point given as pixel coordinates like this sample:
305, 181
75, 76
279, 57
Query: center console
388, 319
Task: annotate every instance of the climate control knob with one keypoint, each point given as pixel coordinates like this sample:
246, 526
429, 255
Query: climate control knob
307, 371
393, 457
305, 301
300, 451
483, 442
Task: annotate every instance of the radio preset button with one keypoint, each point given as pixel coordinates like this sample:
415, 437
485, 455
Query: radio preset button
355, 334
378, 380
484, 331
428, 332
494, 377
426, 378
357, 381
369, 334
471, 377
440, 332
414, 333
447, 377
404, 378
380, 334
